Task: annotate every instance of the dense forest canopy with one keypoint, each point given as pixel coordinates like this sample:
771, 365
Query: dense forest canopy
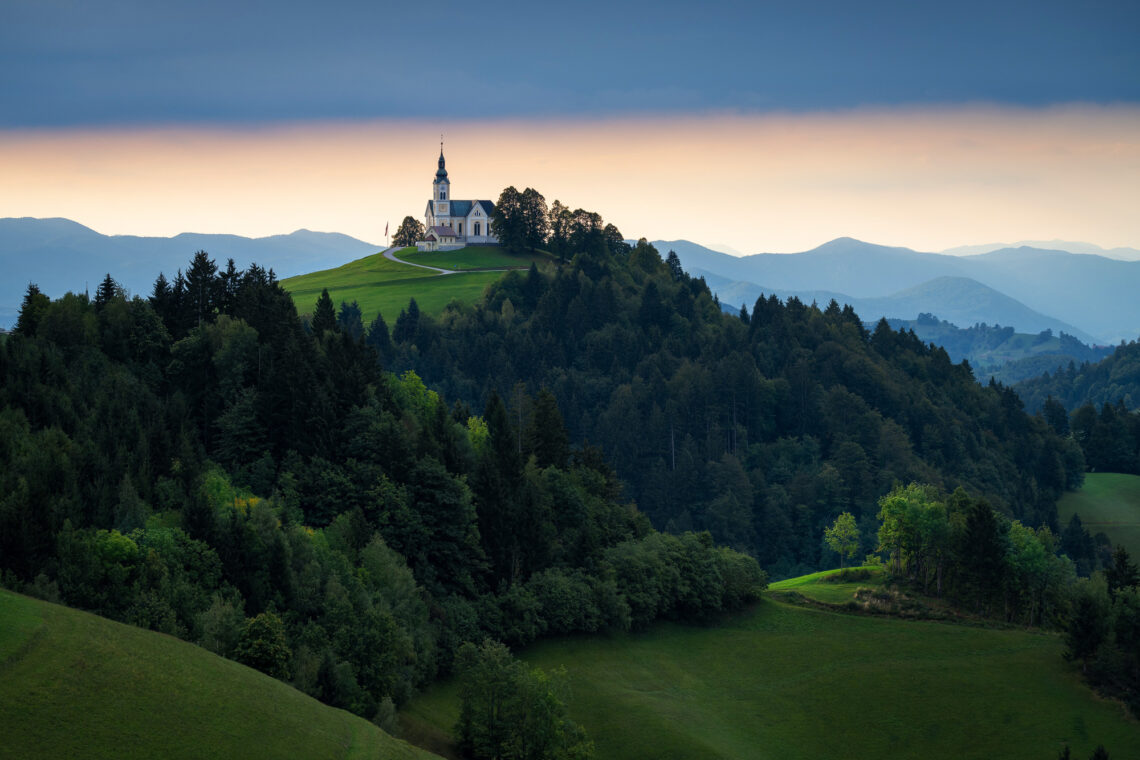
759, 428
203, 464
1113, 379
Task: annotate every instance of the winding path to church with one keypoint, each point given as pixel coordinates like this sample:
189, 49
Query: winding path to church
392, 257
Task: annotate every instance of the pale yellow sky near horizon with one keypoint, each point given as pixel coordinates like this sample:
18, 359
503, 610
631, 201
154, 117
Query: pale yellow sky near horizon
928, 179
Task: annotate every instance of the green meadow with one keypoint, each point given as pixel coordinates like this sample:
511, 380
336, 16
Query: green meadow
76, 685
783, 681
1109, 503
384, 286
473, 257
822, 588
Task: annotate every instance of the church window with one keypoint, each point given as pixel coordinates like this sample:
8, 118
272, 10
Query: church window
478, 229
442, 194
460, 230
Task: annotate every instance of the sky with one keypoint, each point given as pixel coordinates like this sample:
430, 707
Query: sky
763, 126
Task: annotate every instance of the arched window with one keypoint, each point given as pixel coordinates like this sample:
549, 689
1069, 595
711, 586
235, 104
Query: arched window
478, 229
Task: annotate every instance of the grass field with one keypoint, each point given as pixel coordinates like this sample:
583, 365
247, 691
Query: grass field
384, 286
783, 681
817, 587
75, 685
1109, 503
473, 257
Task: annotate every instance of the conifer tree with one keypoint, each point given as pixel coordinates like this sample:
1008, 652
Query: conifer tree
105, 292
546, 435
378, 337
324, 315
31, 310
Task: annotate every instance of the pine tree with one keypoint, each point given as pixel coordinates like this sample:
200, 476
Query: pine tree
107, 290
201, 290
350, 320
546, 436
379, 338
407, 323
31, 310
324, 315
1123, 572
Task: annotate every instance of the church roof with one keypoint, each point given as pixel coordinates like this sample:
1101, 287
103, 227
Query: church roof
463, 208
443, 231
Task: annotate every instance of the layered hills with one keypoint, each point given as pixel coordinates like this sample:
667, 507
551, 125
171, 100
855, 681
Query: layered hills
60, 255
1092, 293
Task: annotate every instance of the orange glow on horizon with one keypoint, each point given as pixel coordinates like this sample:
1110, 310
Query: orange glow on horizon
927, 179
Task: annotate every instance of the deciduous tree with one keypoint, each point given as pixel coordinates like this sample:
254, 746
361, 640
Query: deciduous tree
410, 230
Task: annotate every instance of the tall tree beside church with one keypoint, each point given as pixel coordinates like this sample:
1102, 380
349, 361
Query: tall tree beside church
508, 220
535, 223
409, 232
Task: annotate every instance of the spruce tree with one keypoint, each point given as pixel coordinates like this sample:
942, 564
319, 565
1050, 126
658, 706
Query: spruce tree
324, 315
31, 310
106, 291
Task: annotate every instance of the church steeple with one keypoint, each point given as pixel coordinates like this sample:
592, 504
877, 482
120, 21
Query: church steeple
441, 185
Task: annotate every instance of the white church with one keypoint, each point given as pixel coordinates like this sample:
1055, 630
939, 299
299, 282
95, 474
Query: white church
452, 224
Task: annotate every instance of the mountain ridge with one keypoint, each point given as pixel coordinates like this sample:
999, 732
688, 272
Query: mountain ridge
1090, 291
59, 254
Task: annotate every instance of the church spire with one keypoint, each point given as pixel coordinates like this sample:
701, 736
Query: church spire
441, 173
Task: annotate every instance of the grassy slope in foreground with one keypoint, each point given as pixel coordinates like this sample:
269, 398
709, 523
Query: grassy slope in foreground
1109, 503
76, 685
384, 286
791, 682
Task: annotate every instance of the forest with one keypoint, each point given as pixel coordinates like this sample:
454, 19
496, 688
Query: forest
1112, 380
759, 427
202, 464
591, 447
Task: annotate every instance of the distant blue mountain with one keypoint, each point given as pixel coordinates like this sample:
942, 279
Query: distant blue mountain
60, 255
1095, 293
959, 300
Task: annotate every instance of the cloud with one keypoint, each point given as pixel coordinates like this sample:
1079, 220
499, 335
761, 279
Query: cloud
70, 63
920, 177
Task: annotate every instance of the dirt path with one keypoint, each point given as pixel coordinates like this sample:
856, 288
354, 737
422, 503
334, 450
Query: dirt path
392, 257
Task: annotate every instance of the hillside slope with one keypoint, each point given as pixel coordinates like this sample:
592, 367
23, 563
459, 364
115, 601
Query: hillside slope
791, 682
76, 685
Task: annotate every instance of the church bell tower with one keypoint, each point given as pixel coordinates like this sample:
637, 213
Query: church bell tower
441, 187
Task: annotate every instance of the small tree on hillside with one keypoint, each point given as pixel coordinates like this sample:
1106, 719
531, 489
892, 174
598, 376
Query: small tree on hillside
409, 232
843, 537
324, 316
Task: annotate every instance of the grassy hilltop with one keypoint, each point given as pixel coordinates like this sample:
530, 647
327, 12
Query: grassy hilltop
76, 685
785, 681
381, 285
